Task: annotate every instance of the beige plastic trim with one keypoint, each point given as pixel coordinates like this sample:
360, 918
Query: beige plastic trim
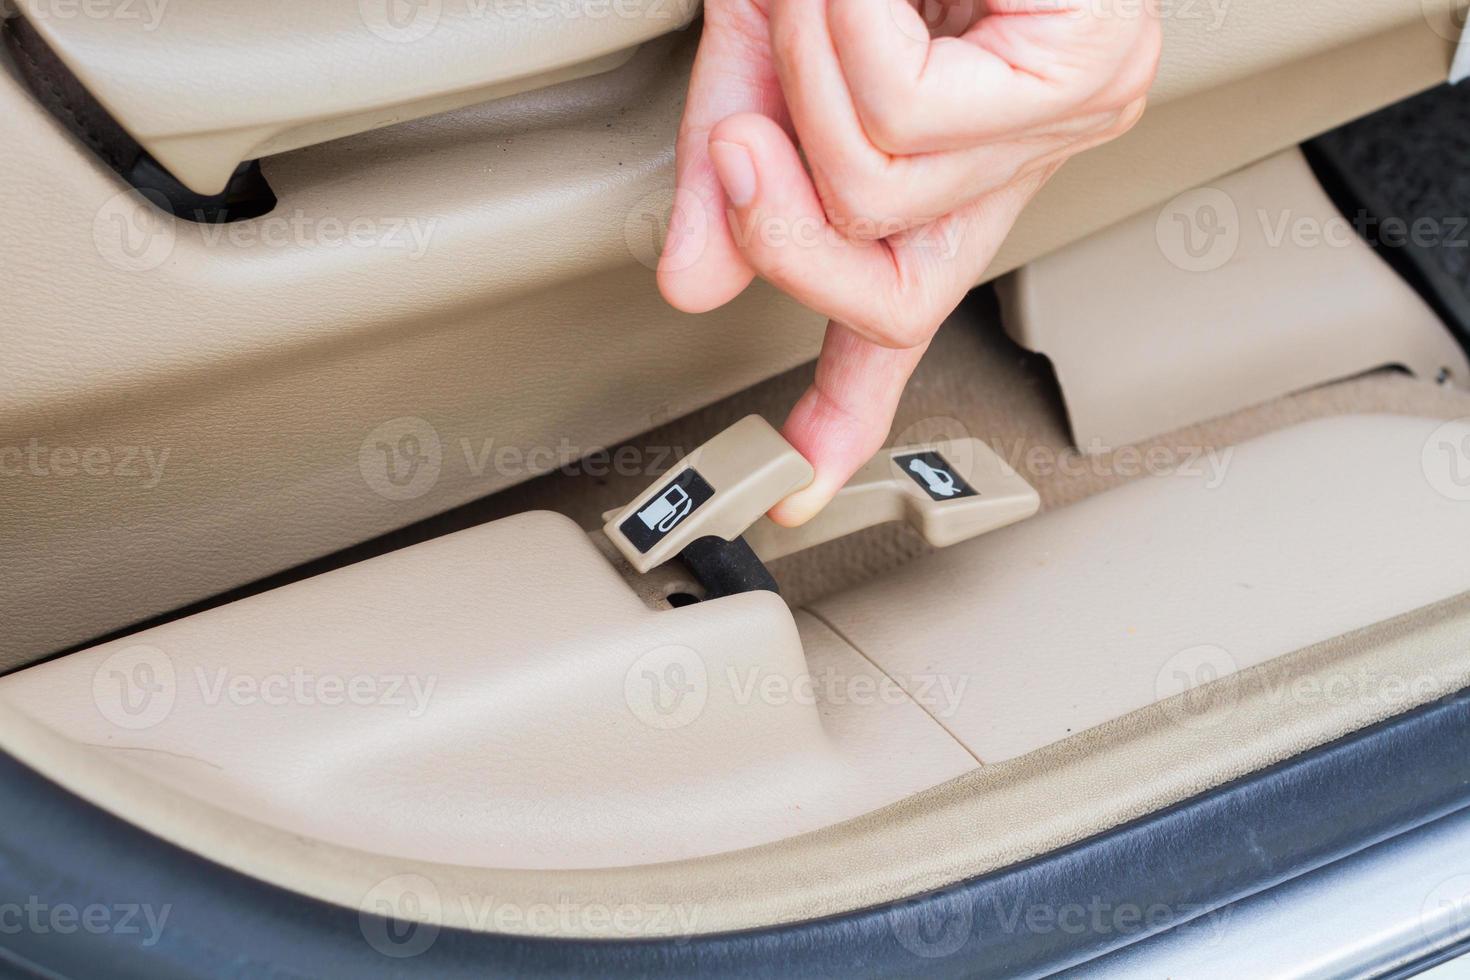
206, 84
244, 380
985, 820
510, 306
499, 697
750, 468
1204, 119
881, 492
1229, 296
1096, 610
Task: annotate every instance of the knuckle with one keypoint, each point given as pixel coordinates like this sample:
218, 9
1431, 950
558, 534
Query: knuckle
890, 122
904, 322
1127, 118
861, 207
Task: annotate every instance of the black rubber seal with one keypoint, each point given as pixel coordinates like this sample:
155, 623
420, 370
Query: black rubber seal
1028, 920
727, 567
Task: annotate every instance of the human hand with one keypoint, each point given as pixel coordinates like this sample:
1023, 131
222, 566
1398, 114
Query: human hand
923, 147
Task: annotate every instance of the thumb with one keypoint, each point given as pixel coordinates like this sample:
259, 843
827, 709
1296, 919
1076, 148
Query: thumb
844, 417
701, 267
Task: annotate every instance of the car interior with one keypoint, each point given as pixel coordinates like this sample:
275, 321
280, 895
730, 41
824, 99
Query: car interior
386, 581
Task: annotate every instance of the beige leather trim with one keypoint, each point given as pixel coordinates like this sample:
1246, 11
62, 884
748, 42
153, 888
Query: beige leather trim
1234, 294
225, 83
995, 817
257, 83
255, 365
244, 390
1194, 133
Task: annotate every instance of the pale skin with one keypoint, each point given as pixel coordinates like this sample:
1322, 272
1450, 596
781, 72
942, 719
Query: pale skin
869, 159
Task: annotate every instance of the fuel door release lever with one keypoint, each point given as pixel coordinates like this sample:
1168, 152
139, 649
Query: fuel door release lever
718, 490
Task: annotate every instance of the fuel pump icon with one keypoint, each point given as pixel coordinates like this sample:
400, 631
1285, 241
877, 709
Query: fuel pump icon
666, 510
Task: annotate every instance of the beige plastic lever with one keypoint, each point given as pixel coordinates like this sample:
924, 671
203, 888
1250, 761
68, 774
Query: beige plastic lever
949, 492
720, 489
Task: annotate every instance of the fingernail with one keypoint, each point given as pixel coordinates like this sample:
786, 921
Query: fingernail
736, 171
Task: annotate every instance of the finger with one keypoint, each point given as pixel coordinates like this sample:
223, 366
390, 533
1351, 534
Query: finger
888, 194
1025, 64
893, 292
844, 417
700, 267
